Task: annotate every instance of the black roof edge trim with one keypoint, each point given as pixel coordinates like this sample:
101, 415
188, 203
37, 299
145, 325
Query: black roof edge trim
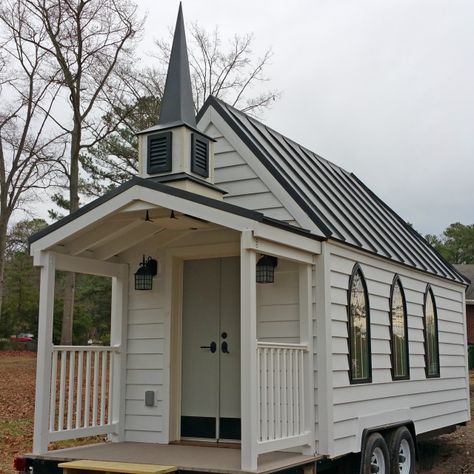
181, 193
415, 234
292, 228
211, 100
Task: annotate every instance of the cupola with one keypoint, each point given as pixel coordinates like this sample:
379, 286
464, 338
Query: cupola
174, 151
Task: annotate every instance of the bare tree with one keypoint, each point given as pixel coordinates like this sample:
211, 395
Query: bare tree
29, 152
232, 73
85, 41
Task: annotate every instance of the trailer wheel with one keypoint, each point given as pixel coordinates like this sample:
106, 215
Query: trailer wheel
402, 451
375, 457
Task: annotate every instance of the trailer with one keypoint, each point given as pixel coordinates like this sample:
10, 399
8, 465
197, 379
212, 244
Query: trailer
269, 312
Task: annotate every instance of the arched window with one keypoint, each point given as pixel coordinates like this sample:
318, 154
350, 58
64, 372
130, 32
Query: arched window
399, 332
431, 335
359, 328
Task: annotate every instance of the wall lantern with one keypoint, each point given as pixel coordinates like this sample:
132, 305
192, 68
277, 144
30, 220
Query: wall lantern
144, 275
266, 269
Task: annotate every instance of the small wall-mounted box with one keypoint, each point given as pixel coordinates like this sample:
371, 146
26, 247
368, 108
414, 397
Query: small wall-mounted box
150, 398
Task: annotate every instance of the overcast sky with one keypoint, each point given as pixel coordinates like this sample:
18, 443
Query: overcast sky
383, 88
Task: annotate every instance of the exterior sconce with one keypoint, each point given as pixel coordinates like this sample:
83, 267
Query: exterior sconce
144, 275
266, 269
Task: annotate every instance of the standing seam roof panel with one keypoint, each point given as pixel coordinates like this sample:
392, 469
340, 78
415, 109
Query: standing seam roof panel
337, 201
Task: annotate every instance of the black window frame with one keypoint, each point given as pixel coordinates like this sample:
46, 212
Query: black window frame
429, 294
357, 269
154, 169
397, 281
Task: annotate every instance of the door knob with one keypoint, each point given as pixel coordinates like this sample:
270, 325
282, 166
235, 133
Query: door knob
225, 348
212, 347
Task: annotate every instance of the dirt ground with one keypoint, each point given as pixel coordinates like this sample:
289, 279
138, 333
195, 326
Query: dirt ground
447, 454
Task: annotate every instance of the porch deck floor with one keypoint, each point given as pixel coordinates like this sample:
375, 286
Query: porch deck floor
189, 458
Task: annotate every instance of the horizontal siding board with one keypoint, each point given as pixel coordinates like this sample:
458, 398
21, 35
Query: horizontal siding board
145, 346
233, 173
137, 407
143, 423
146, 316
145, 361
146, 331
144, 376
412, 401
391, 389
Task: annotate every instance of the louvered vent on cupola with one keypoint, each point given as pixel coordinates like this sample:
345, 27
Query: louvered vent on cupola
200, 155
159, 153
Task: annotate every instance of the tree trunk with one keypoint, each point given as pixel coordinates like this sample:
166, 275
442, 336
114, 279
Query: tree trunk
70, 281
3, 243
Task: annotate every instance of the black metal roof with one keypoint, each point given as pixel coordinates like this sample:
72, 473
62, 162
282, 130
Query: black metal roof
337, 201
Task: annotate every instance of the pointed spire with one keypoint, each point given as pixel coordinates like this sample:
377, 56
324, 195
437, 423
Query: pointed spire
177, 103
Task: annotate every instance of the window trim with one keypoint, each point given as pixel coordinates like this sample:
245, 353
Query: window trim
429, 294
357, 269
397, 280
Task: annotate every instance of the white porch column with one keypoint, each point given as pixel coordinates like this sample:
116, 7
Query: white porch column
43, 362
248, 341
118, 337
306, 337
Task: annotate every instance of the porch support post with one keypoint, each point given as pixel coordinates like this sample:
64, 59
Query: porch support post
248, 366
306, 337
118, 338
45, 343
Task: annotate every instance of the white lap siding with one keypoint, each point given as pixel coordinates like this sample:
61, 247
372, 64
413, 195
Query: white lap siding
278, 306
146, 346
244, 188
430, 403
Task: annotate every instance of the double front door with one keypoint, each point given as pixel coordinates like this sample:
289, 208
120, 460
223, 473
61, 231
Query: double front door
210, 383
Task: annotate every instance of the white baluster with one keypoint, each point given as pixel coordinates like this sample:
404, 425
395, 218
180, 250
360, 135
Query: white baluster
80, 361
70, 399
54, 381
95, 394
62, 390
111, 371
88, 390
103, 381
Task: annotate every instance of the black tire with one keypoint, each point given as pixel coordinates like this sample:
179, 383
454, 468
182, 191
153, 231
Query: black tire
375, 458
402, 451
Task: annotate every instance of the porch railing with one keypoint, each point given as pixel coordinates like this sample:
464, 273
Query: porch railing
281, 395
81, 391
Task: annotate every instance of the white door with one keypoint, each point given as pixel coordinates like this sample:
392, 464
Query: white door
210, 383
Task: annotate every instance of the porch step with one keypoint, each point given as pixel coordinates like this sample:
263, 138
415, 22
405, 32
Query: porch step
78, 467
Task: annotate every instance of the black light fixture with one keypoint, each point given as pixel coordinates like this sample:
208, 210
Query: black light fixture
266, 269
144, 275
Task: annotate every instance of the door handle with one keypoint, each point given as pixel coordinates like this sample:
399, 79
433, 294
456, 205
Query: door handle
225, 348
212, 347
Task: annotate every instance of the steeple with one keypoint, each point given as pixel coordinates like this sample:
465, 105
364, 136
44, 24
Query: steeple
174, 151
177, 103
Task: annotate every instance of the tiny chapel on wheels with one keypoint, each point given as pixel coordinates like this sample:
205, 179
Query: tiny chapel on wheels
263, 299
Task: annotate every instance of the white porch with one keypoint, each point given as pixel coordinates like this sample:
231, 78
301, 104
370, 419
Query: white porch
81, 391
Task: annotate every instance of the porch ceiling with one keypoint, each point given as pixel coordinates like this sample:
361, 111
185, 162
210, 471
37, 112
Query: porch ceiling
128, 228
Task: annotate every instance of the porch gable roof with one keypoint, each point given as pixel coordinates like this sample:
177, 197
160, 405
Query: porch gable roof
148, 184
